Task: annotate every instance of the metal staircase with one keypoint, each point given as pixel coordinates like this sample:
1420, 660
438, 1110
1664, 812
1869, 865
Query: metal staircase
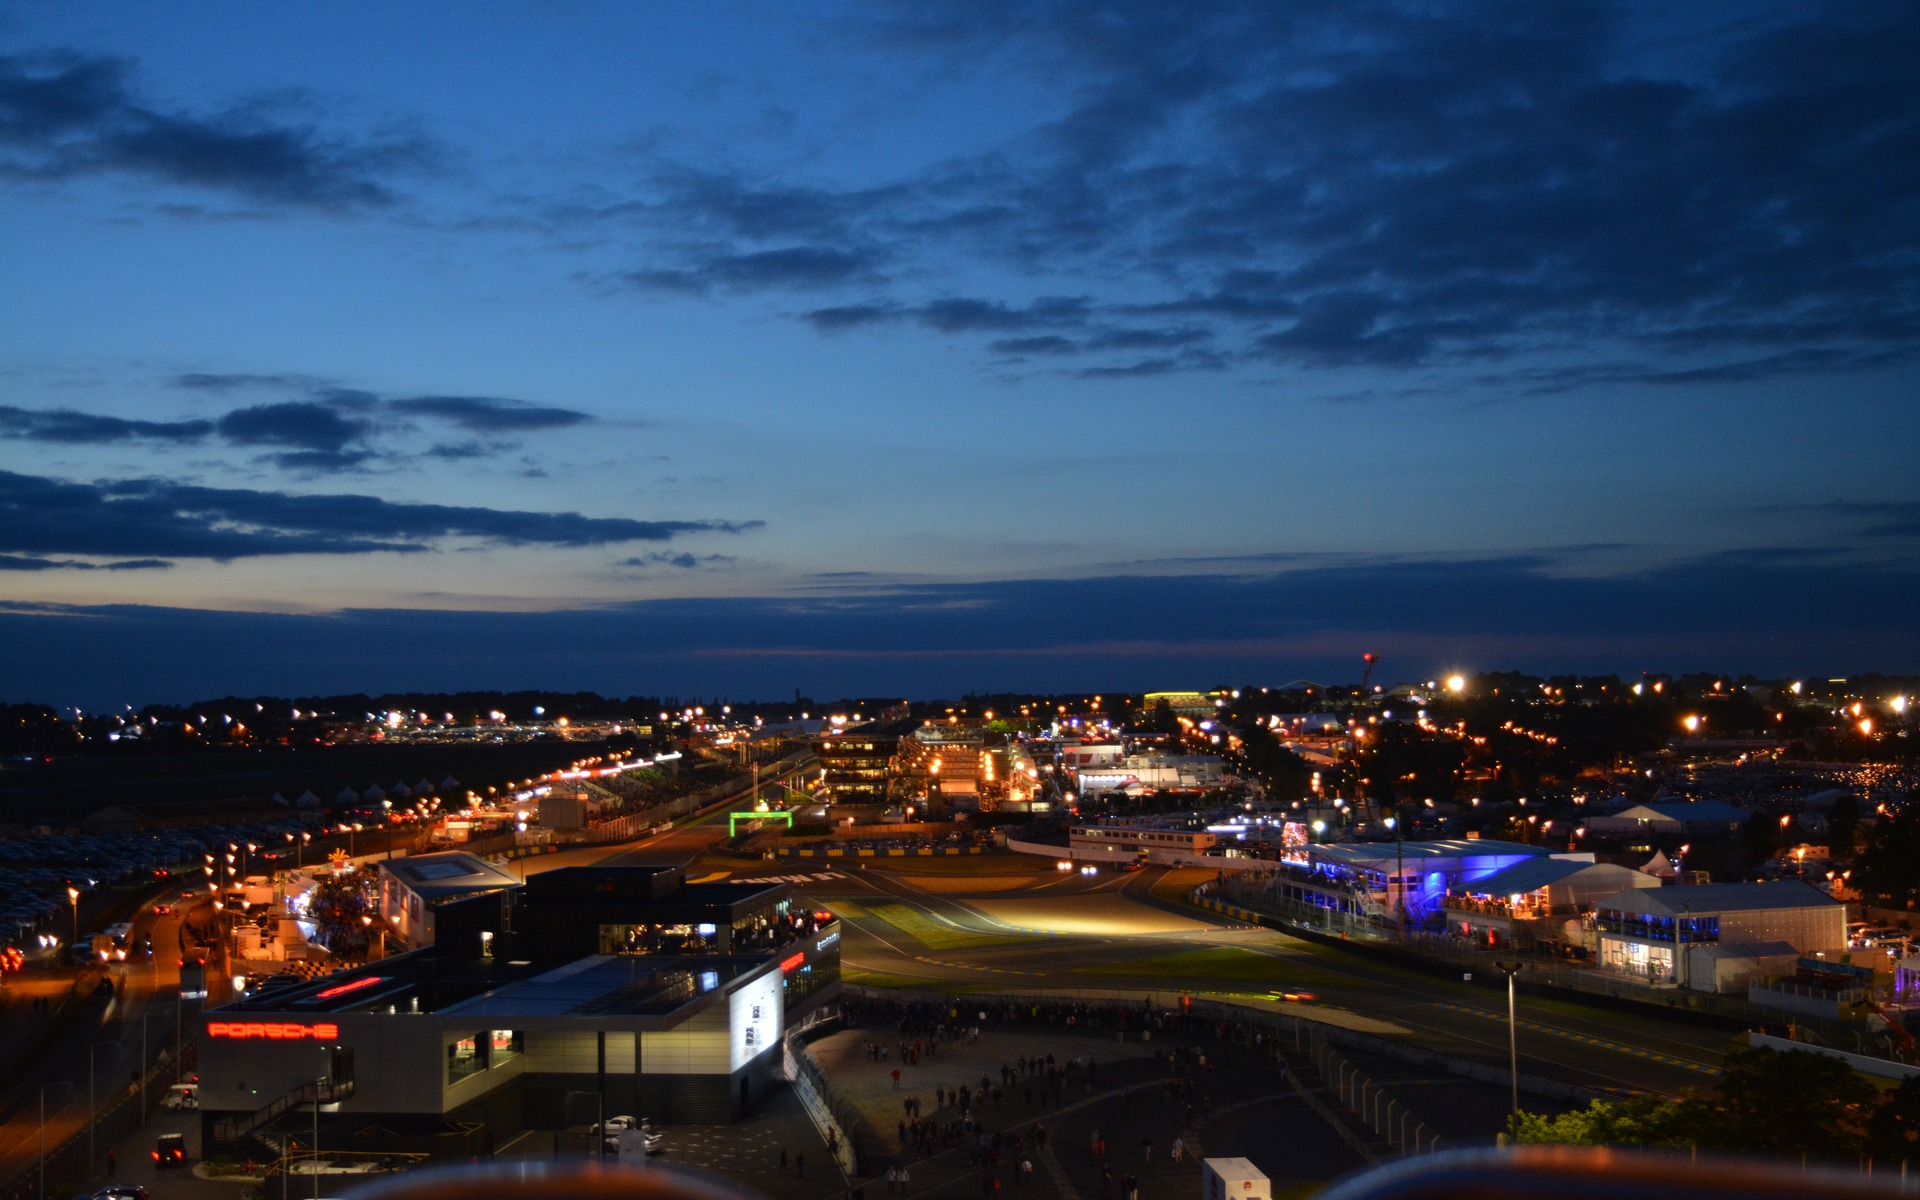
321, 1091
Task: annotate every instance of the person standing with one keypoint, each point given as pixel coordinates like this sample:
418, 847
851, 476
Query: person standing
783, 1160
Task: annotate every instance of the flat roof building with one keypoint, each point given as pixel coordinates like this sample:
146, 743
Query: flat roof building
588, 990
413, 889
1672, 934
1536, 900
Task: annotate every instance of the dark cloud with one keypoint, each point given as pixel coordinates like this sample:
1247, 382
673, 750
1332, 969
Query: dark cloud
849, 316
17, 562
76, 428
970, 315
1725, 197
1141, 369
959, 314
930, 639
796, 268
487, 414
334, 429
1884, 519
65, 116
682, 561
299, 424
154, 518
204, 381
1046, 343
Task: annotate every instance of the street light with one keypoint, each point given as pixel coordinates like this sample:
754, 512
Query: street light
73, 897
1513, 1034
92, 1104
43, 1133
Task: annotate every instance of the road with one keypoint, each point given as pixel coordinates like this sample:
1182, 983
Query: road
147, 1007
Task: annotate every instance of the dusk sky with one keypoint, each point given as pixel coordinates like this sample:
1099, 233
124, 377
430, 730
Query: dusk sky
924, 347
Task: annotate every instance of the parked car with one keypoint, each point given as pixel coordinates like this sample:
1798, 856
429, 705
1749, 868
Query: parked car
613, 1124
170, 1150
119, 1191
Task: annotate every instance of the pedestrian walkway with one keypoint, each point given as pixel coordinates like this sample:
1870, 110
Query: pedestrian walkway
968, 1139
749, 1151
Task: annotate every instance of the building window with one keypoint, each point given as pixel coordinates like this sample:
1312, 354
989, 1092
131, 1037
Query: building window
466, 1056
503, 1044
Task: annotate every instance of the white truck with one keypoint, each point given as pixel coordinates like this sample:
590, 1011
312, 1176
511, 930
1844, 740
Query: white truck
1233, 1179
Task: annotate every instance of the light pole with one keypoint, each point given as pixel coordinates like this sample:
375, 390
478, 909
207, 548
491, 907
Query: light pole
43, 1134
92, 1105
1513, 1034
73, 898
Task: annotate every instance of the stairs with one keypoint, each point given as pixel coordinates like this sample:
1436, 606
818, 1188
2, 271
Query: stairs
324, 1091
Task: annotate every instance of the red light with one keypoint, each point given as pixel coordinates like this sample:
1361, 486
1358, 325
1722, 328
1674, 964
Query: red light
796, 961
356, 985
285, 1031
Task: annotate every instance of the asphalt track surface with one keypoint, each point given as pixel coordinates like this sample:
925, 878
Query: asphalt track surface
1065, 932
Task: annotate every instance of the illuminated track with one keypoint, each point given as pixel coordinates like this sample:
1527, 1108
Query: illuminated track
1611, 1054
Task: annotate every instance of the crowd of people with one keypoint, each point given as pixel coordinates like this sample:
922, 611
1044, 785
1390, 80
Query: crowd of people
1000, 1119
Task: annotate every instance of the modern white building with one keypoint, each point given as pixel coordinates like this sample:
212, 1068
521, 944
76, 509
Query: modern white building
1680, 817
1538, 900
1138, 774
1685, 935
412, 888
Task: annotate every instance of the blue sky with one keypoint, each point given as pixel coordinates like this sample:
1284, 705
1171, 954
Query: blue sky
871, 347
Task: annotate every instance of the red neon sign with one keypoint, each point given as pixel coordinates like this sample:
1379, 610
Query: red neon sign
354, 986
797, 960
280, 1031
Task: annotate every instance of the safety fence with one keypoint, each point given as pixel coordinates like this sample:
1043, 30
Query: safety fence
858, 1148
1372, 1104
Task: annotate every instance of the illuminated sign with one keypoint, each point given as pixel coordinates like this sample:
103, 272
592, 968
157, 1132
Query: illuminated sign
356, 985
281, 1031
830, 940
795, 961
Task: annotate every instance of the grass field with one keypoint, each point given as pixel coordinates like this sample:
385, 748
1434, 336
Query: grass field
1177, 883
935, 935
887, 979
